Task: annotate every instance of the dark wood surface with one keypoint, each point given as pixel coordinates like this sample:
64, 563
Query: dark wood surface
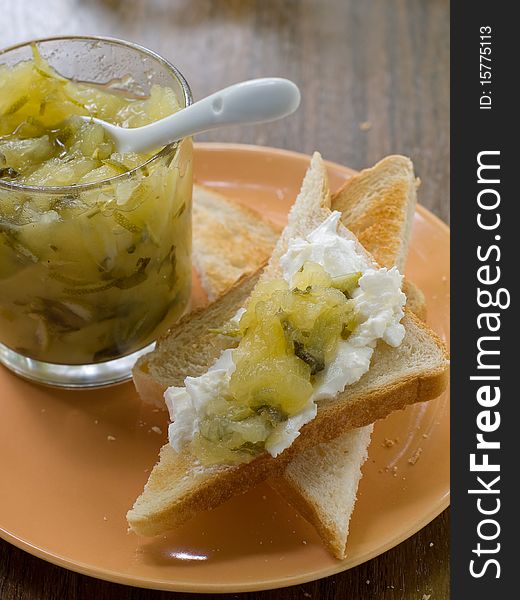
374, 76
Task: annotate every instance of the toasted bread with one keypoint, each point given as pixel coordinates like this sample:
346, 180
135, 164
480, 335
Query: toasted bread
229, 241
378, 206
417, 370
323, 485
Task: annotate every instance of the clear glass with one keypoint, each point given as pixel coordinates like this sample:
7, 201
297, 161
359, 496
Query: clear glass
83, 295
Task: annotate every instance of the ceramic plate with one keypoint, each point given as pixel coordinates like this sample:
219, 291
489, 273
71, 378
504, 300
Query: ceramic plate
74, 462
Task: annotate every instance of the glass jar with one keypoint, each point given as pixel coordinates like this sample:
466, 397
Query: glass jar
91, 274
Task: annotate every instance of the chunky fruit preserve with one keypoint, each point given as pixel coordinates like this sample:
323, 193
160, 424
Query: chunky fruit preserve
95, 245
287, 334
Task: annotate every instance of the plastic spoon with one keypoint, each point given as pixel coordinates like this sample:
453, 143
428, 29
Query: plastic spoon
253, 101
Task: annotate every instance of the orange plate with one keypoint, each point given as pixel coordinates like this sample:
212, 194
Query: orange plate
73, 462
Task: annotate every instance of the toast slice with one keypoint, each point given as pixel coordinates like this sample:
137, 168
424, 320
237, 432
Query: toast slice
322, 484
179, 487
325, 490
378, 205
229, 241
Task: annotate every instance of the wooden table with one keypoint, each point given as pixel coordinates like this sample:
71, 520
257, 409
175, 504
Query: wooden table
374, 76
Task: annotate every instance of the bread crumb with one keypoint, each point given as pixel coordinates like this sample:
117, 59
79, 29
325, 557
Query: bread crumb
96, 421
105, 519
365, 125
111, 438
425, 436
388, 443
431, 544
368, 581
415, 456
304, 542
393, 470
156, 429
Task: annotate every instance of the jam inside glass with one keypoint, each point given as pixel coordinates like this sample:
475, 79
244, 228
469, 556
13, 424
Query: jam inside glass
95, 246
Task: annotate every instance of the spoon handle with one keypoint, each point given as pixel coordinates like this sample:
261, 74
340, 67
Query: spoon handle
253, 101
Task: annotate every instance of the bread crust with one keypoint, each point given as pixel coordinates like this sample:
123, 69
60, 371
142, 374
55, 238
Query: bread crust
378, 205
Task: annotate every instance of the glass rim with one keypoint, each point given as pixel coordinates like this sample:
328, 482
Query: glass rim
81, 187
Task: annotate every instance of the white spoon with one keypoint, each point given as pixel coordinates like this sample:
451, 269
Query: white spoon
253, 101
